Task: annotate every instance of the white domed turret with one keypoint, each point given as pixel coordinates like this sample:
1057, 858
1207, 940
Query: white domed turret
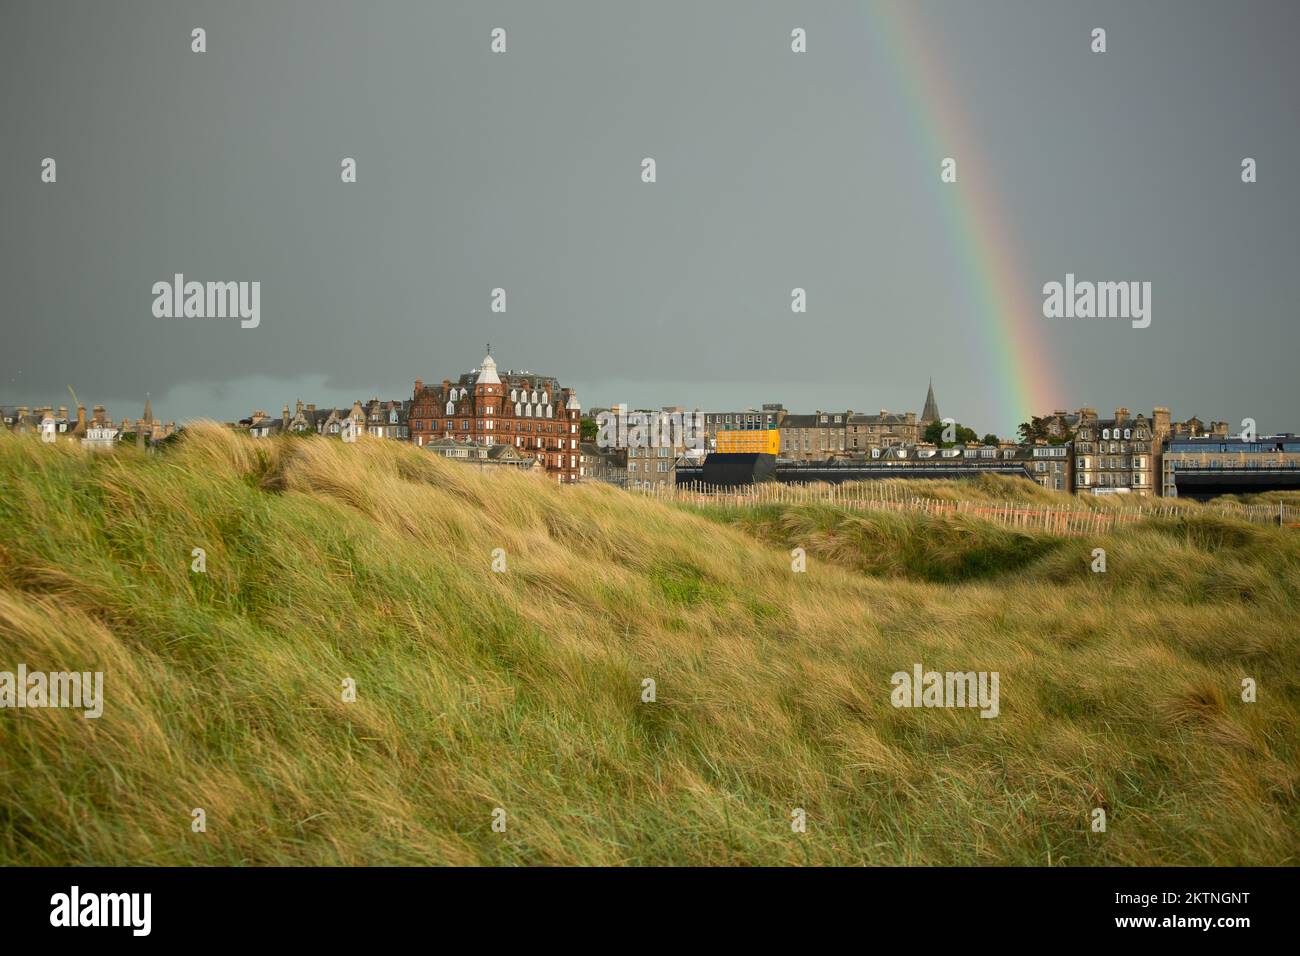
573, 405
487, 373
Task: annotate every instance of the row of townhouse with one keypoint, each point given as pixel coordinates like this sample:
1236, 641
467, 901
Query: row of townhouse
1051, 466
93, 430
643, 447
487, 417
1124, 453
826, 434
1075, 452
1136, 454
380, 419
654, 450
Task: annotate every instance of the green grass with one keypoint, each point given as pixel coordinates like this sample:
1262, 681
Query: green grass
522, 690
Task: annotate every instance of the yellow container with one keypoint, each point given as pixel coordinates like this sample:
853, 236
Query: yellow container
750, 442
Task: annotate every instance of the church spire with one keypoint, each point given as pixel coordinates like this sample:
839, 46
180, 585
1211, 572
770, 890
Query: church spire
930, 413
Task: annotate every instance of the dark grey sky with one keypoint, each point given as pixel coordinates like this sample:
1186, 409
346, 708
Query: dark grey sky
775, 170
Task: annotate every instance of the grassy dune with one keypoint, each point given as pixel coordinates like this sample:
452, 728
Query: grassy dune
522, 690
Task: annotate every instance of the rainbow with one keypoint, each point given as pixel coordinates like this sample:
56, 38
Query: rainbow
1006, 298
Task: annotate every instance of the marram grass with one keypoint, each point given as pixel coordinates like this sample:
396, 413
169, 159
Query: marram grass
522, 690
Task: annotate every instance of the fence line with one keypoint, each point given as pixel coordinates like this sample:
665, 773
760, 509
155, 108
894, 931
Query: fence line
1073, 518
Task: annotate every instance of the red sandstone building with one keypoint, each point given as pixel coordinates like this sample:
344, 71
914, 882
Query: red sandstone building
531, 412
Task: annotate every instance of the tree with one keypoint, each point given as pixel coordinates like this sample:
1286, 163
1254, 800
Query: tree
1032, 429
1037, 429
589, 429
990, 439
962, 434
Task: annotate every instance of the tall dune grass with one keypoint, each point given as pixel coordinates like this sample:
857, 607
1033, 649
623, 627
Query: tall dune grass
522, 690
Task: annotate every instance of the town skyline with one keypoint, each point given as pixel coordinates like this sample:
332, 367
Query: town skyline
246, 396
